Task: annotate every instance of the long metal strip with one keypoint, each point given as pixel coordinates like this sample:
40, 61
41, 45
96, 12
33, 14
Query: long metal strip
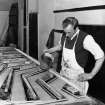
34, 73
22, 67
4, 75
9, 81
34, 60
33, 94
52, 92
17, 93
64, 79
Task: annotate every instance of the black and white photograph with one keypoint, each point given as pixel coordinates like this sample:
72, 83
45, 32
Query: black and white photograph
52, 52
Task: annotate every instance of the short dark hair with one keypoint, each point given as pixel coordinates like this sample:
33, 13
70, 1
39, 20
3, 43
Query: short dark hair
70, 20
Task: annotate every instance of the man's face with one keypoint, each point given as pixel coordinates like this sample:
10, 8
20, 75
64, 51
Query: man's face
69, 30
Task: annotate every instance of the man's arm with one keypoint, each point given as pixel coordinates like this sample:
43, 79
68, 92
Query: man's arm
95, 70
91, 45
53, 49
98, 65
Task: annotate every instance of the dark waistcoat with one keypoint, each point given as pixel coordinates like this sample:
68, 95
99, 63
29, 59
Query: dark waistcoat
80, 52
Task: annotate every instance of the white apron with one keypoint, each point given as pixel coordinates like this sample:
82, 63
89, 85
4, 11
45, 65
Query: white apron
71, 69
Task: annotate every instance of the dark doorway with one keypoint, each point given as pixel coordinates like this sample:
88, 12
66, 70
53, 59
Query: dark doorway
12, 34
33, 35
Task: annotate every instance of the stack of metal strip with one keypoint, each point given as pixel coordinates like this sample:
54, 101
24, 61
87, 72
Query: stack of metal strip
22, 81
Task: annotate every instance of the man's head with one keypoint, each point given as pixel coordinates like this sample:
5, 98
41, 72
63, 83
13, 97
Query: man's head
70, 25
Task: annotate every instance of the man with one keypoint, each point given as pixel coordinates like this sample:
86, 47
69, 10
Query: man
75, 46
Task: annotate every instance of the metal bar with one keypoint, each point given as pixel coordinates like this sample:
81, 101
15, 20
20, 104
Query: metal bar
4, 75
33, 93
18, 92
52, 92
9, 80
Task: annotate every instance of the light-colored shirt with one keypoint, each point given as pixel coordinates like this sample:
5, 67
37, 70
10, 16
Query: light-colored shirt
92, 46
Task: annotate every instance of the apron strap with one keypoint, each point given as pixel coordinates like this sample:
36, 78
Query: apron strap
75, 41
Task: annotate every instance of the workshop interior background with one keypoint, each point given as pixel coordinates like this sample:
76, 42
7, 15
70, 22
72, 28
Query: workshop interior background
27, 24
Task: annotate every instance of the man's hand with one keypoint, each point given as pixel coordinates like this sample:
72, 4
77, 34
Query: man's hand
53, 49
45, 50
50, 56
84, 77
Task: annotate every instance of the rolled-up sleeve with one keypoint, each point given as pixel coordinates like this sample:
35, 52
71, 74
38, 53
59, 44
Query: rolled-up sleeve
92, 46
